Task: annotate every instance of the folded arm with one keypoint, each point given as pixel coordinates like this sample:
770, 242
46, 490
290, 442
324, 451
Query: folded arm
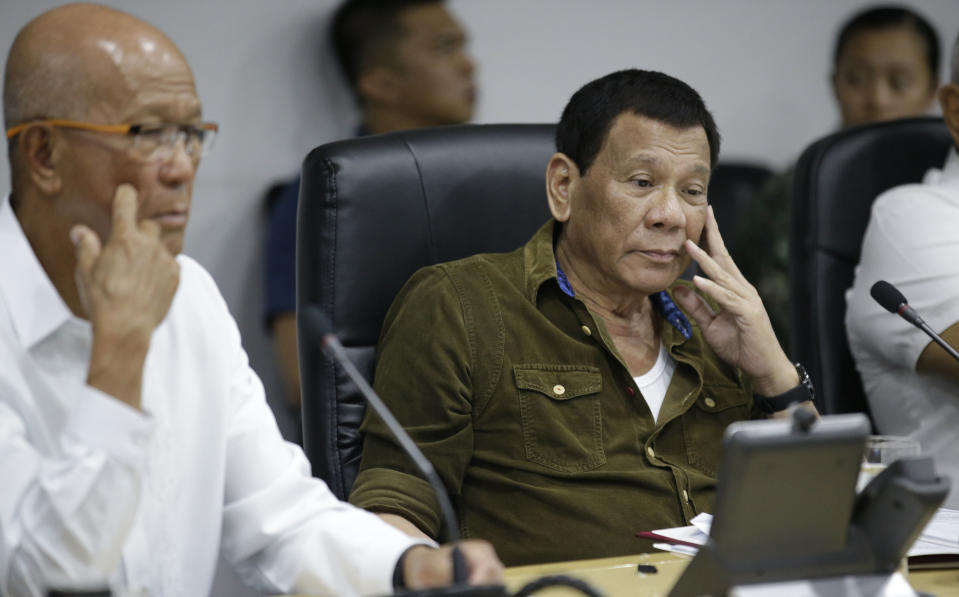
935, 360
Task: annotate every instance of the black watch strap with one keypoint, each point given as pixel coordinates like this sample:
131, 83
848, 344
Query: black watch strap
399, 575
804, 391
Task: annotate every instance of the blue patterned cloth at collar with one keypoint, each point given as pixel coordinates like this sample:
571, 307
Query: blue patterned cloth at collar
661, 302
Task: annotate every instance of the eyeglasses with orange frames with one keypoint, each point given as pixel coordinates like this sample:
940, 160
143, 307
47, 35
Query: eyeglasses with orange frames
150, 141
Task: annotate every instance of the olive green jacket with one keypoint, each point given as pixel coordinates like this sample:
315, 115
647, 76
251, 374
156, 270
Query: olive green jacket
518, 397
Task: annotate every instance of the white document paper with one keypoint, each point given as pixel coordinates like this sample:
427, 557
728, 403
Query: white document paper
941, 535
686, 550
697, 533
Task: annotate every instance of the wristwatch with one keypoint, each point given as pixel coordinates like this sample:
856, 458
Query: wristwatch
802, 392
399, 572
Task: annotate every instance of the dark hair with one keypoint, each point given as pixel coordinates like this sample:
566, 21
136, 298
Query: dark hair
367, 29
590, 113
885, 17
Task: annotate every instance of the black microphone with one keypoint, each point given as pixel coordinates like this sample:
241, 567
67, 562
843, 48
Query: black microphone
320, 327
893, 301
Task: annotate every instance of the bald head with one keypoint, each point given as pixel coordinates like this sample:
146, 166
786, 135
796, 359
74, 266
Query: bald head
80, 62
99, 66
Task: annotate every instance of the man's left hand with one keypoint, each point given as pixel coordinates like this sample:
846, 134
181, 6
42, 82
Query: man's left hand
740, 332
425, 566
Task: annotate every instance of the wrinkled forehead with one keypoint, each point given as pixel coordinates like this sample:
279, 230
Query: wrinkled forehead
141, 74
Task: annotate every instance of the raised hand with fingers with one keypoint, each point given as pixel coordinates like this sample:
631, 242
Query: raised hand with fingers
126, 287
740, 332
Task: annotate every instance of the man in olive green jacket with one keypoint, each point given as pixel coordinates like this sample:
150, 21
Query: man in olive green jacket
572, 393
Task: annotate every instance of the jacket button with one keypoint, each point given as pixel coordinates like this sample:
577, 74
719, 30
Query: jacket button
587, 331
650, 452
559, 390
686, 496
709, 402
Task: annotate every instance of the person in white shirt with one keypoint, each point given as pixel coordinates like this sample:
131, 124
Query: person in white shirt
135, 442
912, 241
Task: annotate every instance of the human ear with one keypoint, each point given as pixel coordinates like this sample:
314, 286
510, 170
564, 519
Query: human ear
38, 151
377, 85
561, 176
949, 100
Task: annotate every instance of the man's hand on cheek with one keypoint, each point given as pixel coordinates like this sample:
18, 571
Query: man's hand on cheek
740, 332
126, 288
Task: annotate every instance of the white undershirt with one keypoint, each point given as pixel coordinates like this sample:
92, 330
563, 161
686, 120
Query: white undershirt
654, 383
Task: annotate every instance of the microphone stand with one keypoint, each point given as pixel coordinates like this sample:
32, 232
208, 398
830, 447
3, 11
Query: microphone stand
890, 299
318, 324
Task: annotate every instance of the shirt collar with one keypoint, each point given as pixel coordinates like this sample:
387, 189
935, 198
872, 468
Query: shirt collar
662, 302
543, 241
33, 303
538, 260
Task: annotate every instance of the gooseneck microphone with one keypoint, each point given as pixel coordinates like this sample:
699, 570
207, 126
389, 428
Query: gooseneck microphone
893, 301
320, 327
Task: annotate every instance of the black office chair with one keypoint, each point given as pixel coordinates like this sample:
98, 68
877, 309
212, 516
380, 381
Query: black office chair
372, 211
734, 187
837, 179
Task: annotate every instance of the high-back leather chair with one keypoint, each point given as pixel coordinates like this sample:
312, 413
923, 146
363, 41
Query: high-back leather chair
372, 211
734, 188
837, 179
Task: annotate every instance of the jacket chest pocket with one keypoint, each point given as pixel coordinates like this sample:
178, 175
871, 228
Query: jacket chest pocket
562, 416
706, 421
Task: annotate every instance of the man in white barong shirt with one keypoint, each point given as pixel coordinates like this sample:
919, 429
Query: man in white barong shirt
135, 442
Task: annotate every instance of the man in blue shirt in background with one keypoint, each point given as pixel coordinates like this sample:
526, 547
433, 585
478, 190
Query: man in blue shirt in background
407, 65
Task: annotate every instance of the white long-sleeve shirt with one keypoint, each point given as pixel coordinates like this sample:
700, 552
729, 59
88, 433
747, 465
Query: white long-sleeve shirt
911, 241
92, 490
